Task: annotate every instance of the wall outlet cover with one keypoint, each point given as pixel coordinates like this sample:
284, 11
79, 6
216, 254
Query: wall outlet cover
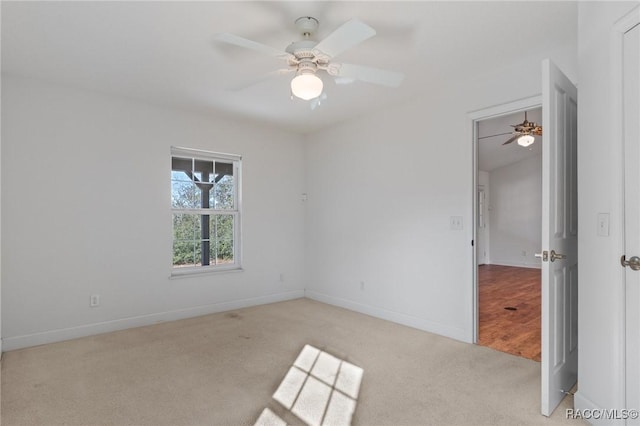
603, 224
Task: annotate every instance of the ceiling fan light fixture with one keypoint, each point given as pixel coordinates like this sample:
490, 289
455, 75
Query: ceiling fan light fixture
306, 86
526, 140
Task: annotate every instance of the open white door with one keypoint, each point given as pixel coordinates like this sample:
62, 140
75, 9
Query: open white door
559, 237
631, 135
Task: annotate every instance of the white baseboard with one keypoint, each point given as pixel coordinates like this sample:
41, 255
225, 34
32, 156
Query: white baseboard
51, 336
582, 403
408, 320
516, 264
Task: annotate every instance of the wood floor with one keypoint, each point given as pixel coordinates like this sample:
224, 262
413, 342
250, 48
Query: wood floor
513, 331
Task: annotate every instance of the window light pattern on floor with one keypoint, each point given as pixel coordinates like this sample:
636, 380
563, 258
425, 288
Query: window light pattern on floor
319, 389
269, 418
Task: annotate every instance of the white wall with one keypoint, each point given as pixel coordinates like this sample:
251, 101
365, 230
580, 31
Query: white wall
86, 210
381, 192
516, 213
601, 292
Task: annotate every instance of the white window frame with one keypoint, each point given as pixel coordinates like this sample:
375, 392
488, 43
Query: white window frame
236, 160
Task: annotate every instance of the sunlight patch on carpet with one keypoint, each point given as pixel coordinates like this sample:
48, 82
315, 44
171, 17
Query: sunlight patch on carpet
319, 389
290, 387
269, 418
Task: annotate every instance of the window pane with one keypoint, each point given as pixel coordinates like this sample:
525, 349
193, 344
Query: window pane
186, 227
185, 195
186, 253
181, 168
206, 191
179, 175
222, 231
205, 243
224, 193
203, 170
225, 252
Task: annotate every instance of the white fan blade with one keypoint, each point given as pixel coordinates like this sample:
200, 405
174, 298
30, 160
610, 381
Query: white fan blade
371, 75
349, 34
249, 44
248, 83
493, 136
511, 139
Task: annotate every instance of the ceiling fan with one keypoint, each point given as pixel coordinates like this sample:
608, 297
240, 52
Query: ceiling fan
307, 57
524, 132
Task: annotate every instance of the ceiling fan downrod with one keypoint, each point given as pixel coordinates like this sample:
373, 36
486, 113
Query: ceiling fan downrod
307, 25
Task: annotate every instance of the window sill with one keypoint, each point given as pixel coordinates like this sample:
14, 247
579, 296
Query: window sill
197, 272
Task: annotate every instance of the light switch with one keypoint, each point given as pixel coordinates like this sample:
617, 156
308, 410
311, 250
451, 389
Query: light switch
603, 224
455, 222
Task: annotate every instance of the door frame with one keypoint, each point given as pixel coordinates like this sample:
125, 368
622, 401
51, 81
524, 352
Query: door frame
475, 117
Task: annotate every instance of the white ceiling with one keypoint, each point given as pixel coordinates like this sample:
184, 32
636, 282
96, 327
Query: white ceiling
492, 154
164, 52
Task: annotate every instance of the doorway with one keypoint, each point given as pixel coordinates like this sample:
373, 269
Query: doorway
509, 229
480, 185
559, 212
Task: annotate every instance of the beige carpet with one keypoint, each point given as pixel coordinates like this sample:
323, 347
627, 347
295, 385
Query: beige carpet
222, 369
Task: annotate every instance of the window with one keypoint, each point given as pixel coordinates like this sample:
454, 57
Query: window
205, 201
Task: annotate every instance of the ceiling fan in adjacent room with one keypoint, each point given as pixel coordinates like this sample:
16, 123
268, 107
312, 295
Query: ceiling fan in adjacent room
523, 132
307, 58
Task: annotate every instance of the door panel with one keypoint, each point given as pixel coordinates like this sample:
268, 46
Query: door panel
559, 233
631, 130
573, 306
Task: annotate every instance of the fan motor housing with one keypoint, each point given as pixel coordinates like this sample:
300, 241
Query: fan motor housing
307, 66
302, 48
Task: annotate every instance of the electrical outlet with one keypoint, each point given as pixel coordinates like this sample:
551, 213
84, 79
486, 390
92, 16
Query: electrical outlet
281, 277
362, 285
94, 300
524, 252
